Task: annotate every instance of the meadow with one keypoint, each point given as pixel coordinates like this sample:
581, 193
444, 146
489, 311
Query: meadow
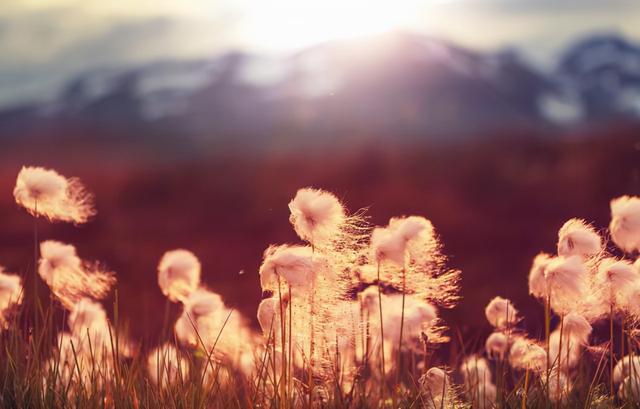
351, 316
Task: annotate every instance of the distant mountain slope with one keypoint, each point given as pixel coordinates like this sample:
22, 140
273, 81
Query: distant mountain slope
397, 84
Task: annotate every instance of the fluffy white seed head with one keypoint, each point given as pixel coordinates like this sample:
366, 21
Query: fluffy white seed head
268, 311
577, 327
70, 278
166, 366
295, 265
46, 193
616, 278
406, 239
564, 276
418, 235
56, 255
629, 389
526, 354
11, 293
435, 380
497, 345
501, 313
537, 280
559, 386
203, 302
571, 350
386, 245
625, 222
178, 274
577, 238
475, 371
86, 316
316, 215
627, 366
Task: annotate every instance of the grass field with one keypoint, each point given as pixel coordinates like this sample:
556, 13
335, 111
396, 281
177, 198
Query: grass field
351, 316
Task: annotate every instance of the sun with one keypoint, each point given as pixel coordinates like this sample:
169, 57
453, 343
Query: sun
290, 24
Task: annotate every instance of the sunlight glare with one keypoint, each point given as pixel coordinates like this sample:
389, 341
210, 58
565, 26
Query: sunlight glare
288, 24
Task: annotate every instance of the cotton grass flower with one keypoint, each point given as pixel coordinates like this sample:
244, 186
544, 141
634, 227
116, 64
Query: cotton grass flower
576, 327
615, 278
46, 193
526, 354
293, 264
625, 223
629, 389
497, 345
166, 366
577, 238
316, 215
200, 305
475, 370
436, 390
70, 278
434, 385
178, 274
628, 365
478, 382
537, 280
501, 313
11, 293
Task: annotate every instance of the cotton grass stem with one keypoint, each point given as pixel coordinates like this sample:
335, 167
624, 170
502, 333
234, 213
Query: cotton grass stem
382, 381
611, 391
524, 393
404, 285
547, 331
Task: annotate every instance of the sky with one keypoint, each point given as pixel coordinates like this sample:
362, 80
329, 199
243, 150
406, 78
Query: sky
44, 43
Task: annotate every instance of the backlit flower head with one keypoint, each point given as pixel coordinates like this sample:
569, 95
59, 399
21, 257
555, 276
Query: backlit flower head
178, 274
405, 240
435, 381
577, 327
86, 316
629, 389
526, 354
571, 350
166, 366
316, 215
626, 366
46, 193
295, 265
625, 222
577, 238
501, 313
11, 293
537, 280
475, 370
200, 303
616, 277
70, 278
497, 345
559, 386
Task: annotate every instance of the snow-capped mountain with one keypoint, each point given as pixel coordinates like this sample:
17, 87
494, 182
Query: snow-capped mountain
394, 84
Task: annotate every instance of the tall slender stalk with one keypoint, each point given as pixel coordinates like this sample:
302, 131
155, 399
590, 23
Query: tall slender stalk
35, 265
547, 333
526, 386
560, 359
404, 291
283, 340
290, 376
611, 351
382, 382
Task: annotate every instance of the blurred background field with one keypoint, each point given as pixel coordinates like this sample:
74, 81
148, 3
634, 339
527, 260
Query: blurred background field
204, 151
